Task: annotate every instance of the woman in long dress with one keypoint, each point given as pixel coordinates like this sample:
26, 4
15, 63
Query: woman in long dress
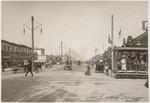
88, 72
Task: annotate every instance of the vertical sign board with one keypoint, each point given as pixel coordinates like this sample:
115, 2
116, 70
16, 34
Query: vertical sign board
144, 25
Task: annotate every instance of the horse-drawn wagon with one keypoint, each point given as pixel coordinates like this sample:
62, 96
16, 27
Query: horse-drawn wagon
21, 67
38, 65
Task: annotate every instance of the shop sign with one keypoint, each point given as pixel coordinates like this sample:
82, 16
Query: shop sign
145, 25
41, 57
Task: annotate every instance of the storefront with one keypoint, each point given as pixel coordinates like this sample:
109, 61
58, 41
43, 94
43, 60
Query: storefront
130, 62
134, 58
131, 59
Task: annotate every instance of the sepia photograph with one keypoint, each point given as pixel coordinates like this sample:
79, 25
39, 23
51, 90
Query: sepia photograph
74, 51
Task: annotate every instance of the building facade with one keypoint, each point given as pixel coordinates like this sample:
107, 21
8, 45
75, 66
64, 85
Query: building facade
13, 53
134, 53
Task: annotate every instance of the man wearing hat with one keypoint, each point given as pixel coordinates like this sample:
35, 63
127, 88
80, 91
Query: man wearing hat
29, 68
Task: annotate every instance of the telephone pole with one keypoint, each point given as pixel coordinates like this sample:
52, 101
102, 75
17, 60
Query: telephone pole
61, 49
32, 29
73, 55
69, 54
112, 44
32, 20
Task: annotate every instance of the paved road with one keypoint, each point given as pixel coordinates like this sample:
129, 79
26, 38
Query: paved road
58, 85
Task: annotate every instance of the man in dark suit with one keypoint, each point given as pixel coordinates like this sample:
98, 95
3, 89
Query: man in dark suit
29, 68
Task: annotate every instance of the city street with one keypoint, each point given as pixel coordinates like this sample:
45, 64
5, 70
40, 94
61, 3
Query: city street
58, 85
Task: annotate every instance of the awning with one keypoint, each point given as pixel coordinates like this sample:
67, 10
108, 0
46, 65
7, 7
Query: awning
134, 49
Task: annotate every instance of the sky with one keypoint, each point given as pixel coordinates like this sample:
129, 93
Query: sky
82, 26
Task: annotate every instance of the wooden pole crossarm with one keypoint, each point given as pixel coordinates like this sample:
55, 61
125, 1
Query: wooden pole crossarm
37, 27
27, 27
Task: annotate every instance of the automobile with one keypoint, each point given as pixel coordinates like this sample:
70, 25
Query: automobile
68, 65
48, 64
99, 66
79, 63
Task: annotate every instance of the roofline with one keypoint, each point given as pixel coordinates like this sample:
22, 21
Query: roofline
15, 44
140, 35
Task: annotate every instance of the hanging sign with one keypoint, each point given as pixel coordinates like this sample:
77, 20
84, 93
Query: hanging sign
145, 25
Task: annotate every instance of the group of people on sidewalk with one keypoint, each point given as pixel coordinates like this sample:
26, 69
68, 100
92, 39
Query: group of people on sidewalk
100, 66
88, 71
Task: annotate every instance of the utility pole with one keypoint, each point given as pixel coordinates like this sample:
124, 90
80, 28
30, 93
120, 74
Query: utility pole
112, 44
61, 48
69, 54
95, 55
73, 55
32, 20
32, 29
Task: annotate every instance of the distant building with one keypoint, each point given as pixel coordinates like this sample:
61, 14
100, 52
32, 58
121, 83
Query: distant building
41, 56
39, 51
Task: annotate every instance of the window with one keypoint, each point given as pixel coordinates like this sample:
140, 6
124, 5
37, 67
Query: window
12, 48
8, 48
4, 47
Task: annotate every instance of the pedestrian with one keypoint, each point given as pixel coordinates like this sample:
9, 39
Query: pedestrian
146, 84
88, 72
106, 68
29, 68
123, 62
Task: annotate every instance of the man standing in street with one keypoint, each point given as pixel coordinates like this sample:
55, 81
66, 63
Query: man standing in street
29, 68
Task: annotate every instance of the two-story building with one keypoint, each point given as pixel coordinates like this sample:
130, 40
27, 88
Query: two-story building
13, 53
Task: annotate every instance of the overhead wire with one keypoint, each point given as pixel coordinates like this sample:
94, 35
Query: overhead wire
14, 5
37, 22
3, 32
21, 11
